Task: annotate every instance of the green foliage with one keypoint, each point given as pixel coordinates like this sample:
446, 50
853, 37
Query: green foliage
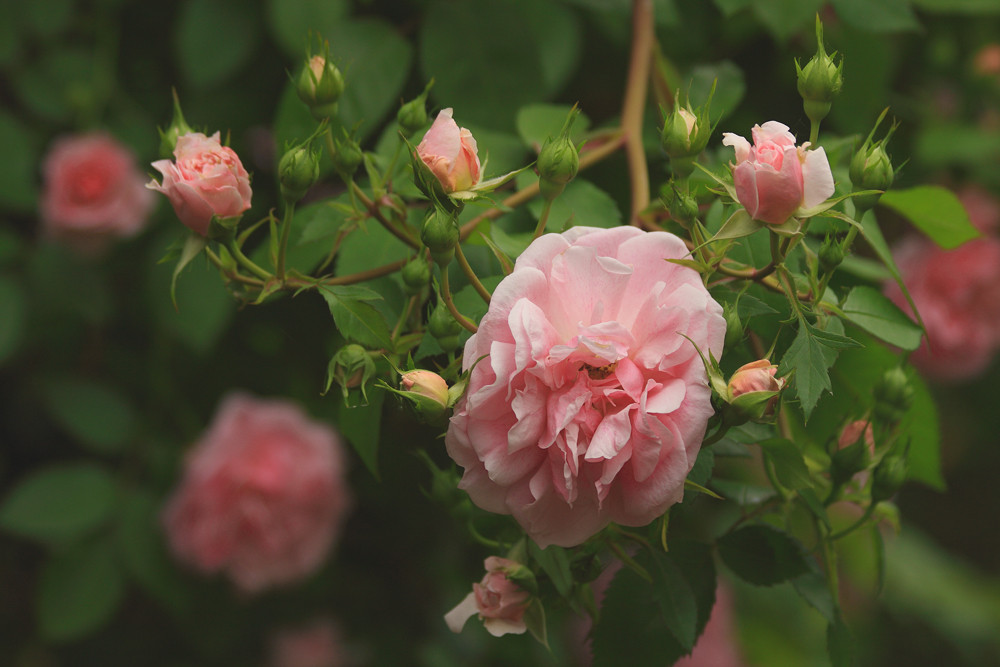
879, 316
935, 211
763, 555
96, 415
214, 38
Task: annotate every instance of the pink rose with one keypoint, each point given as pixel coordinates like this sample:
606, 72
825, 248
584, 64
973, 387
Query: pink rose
854, 431
586, 405
263, 495
205, 179
957, 293
450, 152
774, 178
315, 645
755, 376
499, 602
93, 192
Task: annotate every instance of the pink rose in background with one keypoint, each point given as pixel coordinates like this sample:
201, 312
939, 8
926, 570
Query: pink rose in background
205, 179
774, 177
718, 645
92, 192
315, 645
586, 404
450, 152
263, 495
957, 293
499, 602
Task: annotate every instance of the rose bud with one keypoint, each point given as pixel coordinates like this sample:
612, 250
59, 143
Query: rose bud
347, 155
774, 178
497, 599
893, 395
753, 391
178, 126
855, 447
412, 116
205, 181
416, 274
820, 81
871, 168
831, 254
440, 234
320, 85
888, 476
427, 392
685, 135
351, 367
444, 327
298, 170
558, 161
450, 152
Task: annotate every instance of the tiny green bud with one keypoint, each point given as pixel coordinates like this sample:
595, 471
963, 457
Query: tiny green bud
685, 134
734, 326
178, 126
893, 396
871, 167
558, 161
412, 116
831, 254
416, 274
440, 234
298, 169
320, 85
683, 207
848, 461
351, 367
889, 476
820, 81
347, 155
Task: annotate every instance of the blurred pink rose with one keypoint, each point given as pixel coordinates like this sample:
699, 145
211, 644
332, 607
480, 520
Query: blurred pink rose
93, 192
853, 431
957, 293
587, 405
315, 645
773, 177
205, 179
263, 495
498, 601
450, 152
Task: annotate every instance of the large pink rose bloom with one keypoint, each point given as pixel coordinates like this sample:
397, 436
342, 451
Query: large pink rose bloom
205, 179
774, 177
263, 495
957, 293
93, 192
451, 153
587, 405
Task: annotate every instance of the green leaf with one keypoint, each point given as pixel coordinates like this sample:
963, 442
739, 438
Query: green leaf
13, 313
738, 225
955, 144
538, 122
214, 38
840, 644
59, 503
876, 314
762, 555
534, 619
362, 426
934, 210
814, 589
729, 83
555, 563
788, 463
487, 78
96, 415
959, 6
581, 204
17, 170
881, 16
809, 359
784, 18
193, 246
290, 21
357, 321
640, 622
79, 590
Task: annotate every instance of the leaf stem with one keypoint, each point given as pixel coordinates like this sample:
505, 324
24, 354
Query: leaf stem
466, 323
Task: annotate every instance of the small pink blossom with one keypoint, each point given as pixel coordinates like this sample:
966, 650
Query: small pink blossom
205, 179
498, 601
263, 495
853, 432
93, 192
450, 152
317, 644
755, 376
774, 177
586, 405
957, 293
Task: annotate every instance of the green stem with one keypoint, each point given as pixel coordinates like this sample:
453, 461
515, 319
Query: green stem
854, 526
375, 212
542, 219
286, 226
245, 261
234, 275
629, 563
466, 323
471, 275
404, 316
814, 133
634, 105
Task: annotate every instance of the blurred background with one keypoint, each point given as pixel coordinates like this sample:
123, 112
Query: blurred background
103, 385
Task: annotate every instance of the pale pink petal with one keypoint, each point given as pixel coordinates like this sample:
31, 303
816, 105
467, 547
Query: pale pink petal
817, 179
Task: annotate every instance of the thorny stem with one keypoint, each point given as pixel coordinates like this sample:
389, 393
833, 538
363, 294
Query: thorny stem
640, 61
471, 275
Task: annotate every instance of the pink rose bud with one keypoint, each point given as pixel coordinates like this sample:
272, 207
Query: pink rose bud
263, 495
205, 180
315, 645
585, 404
755, 376
499, 602
450, 152
426, 383
854, 431
774, 177
92, 193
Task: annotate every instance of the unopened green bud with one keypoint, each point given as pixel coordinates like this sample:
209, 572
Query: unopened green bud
444, 327
320, 85
412, 116
685, 134
440, 234
298, 169
683, 208
871, 167
893, 396
351, 367
559, 160
347, 155
849, 461
831, 254
820, 81
416, 274
734, 326
888, 476
178, 127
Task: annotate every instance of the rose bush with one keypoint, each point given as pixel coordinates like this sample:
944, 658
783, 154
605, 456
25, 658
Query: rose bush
205, 179
450, 152
774, 177
500, 602
92, 192
586, 405
262, 497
